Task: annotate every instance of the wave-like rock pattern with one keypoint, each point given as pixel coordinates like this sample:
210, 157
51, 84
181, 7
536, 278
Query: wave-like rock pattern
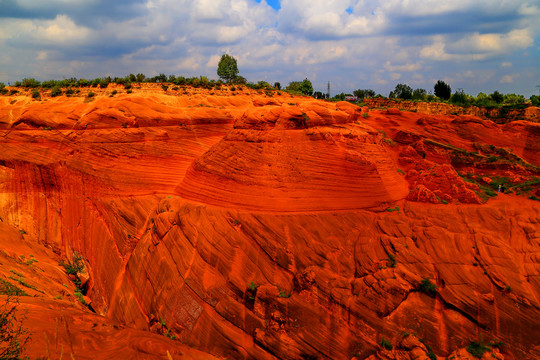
310, 158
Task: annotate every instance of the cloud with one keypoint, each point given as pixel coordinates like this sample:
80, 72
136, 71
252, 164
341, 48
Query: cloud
352, 43
507, 79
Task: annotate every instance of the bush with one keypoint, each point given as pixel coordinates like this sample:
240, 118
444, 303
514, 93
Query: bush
3, 89
13, 337
459, 98
386, 344
91, 94
29, 83
477, 349
36, 94
427, 287
56, 91
74, 266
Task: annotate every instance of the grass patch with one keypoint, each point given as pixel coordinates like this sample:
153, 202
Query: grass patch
393, 209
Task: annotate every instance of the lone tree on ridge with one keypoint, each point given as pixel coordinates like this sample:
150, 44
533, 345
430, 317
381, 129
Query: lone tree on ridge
227, 68
442, 90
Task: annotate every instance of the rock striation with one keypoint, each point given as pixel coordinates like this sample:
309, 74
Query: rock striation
255, 225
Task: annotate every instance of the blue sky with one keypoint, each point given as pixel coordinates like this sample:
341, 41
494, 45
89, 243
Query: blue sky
484, 45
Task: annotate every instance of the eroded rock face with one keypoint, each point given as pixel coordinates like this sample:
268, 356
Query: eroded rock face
234, 281
254, 227
307, 158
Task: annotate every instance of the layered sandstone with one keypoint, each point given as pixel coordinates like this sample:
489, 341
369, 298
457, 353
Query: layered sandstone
261, 226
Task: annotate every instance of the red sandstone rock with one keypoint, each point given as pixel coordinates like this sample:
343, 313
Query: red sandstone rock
265, 240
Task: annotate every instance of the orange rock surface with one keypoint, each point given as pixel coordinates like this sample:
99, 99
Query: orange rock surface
249, 225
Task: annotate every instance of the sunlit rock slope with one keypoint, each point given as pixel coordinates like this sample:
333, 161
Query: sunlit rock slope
259, 225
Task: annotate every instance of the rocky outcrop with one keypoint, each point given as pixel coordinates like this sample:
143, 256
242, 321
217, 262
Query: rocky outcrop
529, 113
251, 226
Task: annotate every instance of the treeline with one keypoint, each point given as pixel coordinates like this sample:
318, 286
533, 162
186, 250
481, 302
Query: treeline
127, 81
443, 93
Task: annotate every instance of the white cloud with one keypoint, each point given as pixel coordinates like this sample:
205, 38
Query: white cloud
405, 67
506, 64
507, 79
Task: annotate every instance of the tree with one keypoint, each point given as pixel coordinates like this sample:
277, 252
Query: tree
459, 98
402, 91
364, 93
277, 85
294, 86
419, 94
497, 97
306, 87
442, 90
227, 68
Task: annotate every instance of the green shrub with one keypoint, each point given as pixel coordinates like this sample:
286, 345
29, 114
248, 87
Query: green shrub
7, 288
165, 87
386, 344
36, 94
13, 336
477, 349
56, 91
427, 287
91, 94
74, 266
252, 286
391, 260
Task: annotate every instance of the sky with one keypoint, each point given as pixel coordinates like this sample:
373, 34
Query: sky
476, 46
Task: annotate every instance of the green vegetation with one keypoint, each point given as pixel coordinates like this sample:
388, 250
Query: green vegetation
227, 68
402, 91
252, 286
21, 281
13, 336
393, 209
391, 260
283, 294
386, 344
56, 91
79, 294
477, 349
442, 90
427, 287
7, 288
36, 94
75, 265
